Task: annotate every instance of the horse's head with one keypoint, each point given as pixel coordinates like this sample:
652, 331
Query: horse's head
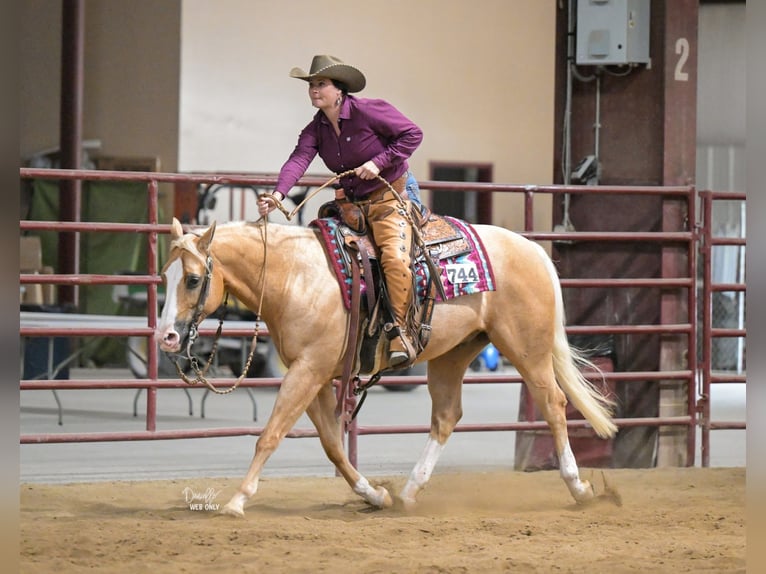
193, 289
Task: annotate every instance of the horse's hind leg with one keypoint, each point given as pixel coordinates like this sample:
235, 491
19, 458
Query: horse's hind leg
322, 413
551, 401
445, 380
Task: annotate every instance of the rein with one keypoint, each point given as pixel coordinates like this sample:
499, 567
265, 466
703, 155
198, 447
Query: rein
200, 374
415, 229
290, 214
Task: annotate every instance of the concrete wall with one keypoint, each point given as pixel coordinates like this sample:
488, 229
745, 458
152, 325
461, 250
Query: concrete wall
131, 83
39, 75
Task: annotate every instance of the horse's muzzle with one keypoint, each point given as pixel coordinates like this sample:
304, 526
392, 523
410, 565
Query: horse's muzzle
172, 340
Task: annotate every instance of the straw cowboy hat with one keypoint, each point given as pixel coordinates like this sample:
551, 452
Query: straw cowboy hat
334, 69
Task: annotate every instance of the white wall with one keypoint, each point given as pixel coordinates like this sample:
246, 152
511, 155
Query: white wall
721, 124
478, 77
721, 74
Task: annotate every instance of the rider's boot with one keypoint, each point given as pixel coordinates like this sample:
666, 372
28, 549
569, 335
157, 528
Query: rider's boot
402, 351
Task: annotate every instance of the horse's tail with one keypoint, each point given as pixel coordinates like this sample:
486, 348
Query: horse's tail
567, 361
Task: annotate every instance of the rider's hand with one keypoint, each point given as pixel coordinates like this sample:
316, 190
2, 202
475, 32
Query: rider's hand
268, 203
367, 171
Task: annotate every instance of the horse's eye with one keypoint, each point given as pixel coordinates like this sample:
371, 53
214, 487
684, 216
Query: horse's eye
192, 281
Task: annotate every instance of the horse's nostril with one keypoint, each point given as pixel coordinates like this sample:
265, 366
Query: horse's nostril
169, 340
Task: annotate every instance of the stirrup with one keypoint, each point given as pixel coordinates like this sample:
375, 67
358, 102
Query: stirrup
399, 359
404, 357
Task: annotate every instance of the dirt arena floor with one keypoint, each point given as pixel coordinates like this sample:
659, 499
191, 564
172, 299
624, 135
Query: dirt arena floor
656, 520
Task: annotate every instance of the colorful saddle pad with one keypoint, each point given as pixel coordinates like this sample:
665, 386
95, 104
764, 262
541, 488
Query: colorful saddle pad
464, 273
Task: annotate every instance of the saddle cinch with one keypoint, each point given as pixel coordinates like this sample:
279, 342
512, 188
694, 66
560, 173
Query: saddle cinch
370, 325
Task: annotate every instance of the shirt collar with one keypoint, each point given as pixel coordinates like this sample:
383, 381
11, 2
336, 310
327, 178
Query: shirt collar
345, 111
345, 107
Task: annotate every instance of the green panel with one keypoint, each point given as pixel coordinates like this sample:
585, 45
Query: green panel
100, 253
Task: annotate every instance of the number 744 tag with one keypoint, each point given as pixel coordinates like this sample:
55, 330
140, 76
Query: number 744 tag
462, 273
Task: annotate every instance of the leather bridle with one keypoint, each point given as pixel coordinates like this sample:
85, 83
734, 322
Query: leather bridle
200, 374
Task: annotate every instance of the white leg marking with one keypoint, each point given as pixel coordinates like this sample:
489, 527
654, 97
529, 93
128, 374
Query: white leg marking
236, 505
376, 496
580, 490
421, 473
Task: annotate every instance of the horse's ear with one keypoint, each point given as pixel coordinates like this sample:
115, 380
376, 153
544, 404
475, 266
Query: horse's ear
204, 242
176, 231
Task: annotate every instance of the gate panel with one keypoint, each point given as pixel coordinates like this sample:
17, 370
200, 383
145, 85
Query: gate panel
711, 376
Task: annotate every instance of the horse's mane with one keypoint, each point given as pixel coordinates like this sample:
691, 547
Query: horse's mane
187, 241
281, 230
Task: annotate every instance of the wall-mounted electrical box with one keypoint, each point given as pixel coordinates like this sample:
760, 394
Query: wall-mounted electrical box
612, 32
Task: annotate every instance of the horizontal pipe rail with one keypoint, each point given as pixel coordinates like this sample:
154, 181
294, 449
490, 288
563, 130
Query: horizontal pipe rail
727, 425
92, 279
224, 382
728, 379
123, 332
304, 433
93, 226
270, 180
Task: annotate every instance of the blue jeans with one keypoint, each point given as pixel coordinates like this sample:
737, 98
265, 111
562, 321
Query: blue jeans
413, 190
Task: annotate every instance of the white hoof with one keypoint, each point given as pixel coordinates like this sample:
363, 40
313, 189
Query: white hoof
583, 492
235, 507
231, 510
383, 498
377, 497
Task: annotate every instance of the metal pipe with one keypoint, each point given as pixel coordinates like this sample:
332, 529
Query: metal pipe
151, 303
741, 295
70, 191
597, 129
707, 321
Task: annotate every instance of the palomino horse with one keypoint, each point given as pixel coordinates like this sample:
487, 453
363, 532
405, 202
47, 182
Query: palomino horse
302, 307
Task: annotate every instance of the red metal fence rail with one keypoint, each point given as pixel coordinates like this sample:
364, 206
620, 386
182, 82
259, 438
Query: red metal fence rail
151, 280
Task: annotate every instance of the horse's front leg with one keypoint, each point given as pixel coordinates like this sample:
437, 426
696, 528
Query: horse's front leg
322, 414
298, 389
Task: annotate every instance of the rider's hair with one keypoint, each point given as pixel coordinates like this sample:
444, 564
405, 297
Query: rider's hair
341, 86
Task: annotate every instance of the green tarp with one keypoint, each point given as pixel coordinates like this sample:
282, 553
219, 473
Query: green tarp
100, 253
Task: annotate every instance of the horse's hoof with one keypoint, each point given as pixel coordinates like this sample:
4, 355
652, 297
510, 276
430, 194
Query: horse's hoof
585, 493
384, 497
233, 510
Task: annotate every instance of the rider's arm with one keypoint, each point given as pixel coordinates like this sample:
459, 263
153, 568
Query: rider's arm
296, 165
402, 134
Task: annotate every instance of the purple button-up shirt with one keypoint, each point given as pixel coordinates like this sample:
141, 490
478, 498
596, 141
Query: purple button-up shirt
369, 130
